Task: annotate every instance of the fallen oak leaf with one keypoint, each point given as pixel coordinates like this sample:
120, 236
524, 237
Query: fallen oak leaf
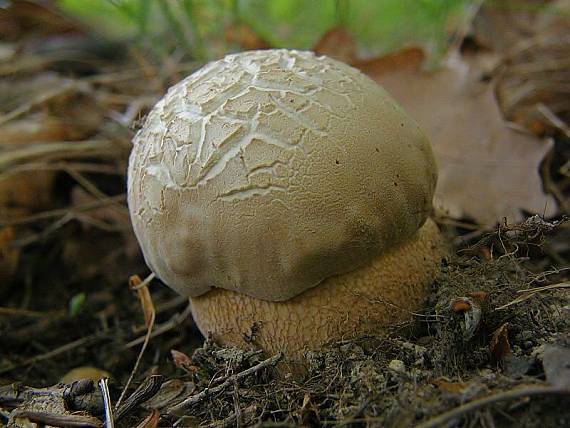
488, 169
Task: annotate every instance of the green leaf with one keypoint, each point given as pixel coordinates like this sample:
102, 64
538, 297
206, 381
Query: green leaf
76, 304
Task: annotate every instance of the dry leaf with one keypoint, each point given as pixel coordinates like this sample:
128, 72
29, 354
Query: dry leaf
337, 43
151, 421
183, 361
499, 345
244, 37
488, 170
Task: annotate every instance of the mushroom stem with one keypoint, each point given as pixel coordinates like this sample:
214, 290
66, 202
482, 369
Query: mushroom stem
386, 292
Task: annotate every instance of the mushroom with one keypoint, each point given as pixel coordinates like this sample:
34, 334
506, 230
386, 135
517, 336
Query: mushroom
288, 196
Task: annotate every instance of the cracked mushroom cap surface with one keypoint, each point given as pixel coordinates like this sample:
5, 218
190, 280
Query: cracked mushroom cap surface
267, 172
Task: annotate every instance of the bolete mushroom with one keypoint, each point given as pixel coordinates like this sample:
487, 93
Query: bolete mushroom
288, 196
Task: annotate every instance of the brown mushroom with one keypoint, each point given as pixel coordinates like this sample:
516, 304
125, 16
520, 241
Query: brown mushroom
288, 196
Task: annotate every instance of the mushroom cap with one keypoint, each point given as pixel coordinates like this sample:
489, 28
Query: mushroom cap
267, 172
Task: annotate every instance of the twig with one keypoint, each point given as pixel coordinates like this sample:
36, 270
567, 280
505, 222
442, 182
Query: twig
63, 87
531, 292
150, 326
524, 391
190, 401
86, 167
62, 212
84, 341
546, 287
11, 157
107, 406
60, 420
163, 328
25, 313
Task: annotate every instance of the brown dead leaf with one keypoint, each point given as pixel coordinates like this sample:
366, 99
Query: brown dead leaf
499, 345
488, 169
183, 361
244, 37
151, 421
337, 43
407, 61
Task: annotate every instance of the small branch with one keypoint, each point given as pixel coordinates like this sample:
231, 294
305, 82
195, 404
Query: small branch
58, 420
46, 215
150, 317
84, 341
524, 391
190, 401
531, 292
173, 322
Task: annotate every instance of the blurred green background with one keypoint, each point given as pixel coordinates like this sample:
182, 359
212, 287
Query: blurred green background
198, 26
